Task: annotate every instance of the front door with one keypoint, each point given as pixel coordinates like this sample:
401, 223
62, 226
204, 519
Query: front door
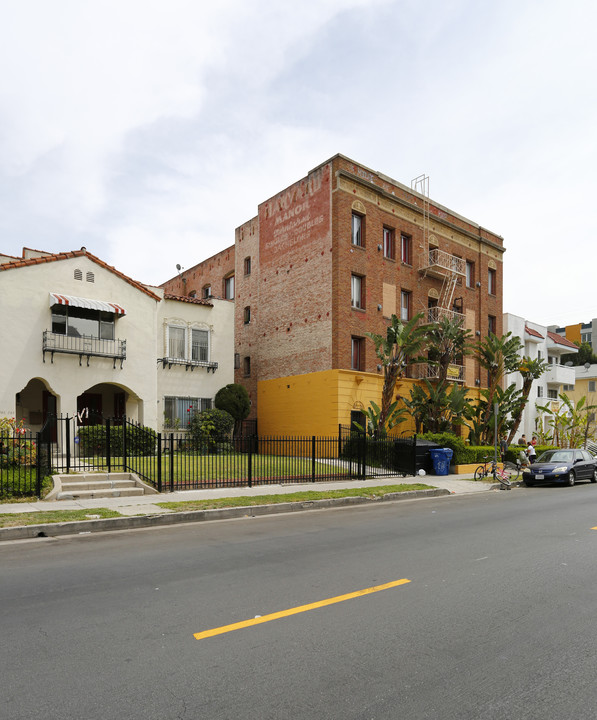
89, 409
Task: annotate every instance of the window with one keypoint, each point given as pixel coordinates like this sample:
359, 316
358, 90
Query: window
82, 322
193, 294
178, 411
357, 230
357, 353
247, 315
247, 265
568, 388
552, 394
470, 274
491, 281
356, 291
405, 298
247, 366
539, 355
491, 325
200, 345
406, 249
591, 386
176, 342
206, 291
585, 337
388, 244
539, 391
229, 287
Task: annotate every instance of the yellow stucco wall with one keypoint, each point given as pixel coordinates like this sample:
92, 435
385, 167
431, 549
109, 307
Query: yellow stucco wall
573, 333
316, 403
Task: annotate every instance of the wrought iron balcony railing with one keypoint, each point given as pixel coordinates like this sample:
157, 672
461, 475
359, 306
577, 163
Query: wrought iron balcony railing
83, 347
431, 372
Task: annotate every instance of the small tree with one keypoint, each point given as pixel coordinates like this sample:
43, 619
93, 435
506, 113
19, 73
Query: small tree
234, 399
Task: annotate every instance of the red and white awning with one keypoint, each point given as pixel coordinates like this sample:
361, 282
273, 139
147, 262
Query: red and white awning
56, 299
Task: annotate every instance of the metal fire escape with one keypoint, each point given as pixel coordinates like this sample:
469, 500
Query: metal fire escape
444, 266
438, 263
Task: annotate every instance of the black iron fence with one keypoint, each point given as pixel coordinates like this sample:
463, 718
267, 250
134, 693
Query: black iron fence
177, 461
20, 464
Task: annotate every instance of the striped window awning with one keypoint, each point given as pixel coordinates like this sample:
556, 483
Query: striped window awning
56, 299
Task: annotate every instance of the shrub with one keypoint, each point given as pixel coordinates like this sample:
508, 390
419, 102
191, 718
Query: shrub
15, 448
210, 426
140, 440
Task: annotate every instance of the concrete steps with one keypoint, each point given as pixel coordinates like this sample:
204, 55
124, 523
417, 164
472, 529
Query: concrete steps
88, 486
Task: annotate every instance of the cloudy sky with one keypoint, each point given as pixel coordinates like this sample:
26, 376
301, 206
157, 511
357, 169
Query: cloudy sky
148, 130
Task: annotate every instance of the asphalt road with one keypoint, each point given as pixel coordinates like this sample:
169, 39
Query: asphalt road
497, 619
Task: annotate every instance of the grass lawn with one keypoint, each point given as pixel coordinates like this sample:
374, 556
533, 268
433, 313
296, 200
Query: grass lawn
55, 516
189, 467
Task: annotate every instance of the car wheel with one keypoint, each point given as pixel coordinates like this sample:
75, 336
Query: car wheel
594, 476
571, 478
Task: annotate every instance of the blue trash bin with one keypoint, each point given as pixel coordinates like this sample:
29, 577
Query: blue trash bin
441, 460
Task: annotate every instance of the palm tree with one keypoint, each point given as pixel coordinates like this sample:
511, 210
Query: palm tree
401, 346
497, 355
530, 370
448, 341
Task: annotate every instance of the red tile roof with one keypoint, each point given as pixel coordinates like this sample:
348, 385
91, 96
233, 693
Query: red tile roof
561, 340
77, 253
188, 299
533, 332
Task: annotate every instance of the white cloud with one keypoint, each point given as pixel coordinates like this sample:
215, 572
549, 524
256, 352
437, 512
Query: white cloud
148, 131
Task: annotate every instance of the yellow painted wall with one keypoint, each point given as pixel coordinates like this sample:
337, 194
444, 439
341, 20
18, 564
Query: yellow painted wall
316, 403
573, 333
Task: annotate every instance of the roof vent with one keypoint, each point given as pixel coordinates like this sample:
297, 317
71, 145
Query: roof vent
78, 274
90, 277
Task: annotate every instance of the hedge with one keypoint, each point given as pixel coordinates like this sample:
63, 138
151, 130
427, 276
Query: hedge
140, 440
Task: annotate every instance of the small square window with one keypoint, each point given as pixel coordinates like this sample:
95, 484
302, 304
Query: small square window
247, 266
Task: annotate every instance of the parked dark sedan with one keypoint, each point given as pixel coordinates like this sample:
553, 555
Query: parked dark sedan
561, 466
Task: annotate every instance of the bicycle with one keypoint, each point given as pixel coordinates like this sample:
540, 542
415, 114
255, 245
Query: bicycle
509, 474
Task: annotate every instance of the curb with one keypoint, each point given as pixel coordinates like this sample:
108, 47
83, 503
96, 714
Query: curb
24, 532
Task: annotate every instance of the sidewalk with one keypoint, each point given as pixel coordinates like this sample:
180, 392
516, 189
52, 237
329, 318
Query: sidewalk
146, 504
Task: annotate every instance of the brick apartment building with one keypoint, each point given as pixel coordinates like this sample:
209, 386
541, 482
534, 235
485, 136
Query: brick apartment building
328, 259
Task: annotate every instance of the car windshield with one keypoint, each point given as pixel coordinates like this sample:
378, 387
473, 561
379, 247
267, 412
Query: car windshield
564, 456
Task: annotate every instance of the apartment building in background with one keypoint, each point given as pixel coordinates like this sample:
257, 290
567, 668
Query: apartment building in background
540, 343
328, 260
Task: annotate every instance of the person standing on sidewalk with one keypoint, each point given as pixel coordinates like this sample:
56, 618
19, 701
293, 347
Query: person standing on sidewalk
531, 453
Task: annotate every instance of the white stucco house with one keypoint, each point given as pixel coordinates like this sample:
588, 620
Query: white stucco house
78, 336
540, 343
